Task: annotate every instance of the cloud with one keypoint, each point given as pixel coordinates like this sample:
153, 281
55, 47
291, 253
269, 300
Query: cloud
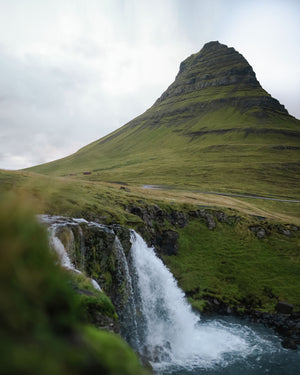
72, 72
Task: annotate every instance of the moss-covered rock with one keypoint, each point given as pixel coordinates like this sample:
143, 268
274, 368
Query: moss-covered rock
41, 329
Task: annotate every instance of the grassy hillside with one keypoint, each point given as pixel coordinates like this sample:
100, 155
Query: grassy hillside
107, 203
214, 129
234, 266
228, 263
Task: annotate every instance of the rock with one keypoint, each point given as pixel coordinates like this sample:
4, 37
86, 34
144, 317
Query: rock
259, 231
102, 321
167, 242
83, 291
221, 216
288, 343
228, 310
284, 307
287, 232
124, 237
155, 215
178, 218
210, 222
125, 189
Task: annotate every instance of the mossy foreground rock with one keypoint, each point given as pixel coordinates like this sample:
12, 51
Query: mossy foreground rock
99, 251
40, 322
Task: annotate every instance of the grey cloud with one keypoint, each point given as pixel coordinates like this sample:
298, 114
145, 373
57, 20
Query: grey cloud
62, 88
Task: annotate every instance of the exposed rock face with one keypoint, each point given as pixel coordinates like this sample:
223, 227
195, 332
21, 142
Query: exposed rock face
156, 229
95, 250
217, 66
167, 241
287, 325
100, 252
284, 307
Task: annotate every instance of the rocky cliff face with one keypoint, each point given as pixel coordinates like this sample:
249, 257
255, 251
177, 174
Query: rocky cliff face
224, 77
103, 253
215, 65
99, 252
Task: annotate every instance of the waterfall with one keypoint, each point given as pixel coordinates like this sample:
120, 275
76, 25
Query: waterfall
55, 222
154, 315
128, 313
173, 335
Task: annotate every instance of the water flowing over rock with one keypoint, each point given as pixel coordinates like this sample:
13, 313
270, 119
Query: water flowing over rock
154, 315
96, 250
170, 334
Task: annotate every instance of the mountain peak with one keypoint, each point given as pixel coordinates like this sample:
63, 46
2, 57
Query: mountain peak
216, 65
214, 128
218, 73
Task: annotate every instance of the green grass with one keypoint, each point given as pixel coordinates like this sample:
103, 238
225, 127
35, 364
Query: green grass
227, 137
41, 327
234, 266
107, 203
240, 160
60, 196
207, 260
95, 300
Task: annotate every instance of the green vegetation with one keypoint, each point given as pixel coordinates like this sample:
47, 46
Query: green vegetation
217, 137
214, 129
259, 162
40, 316
234, 266
93, 300
107, 203
61, 196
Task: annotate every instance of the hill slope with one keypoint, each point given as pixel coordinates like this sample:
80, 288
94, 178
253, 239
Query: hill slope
215, 128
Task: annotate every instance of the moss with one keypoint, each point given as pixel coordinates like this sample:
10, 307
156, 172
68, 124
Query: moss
113, 354
198, 305
91, 299
41, 329
100, 303
108, 280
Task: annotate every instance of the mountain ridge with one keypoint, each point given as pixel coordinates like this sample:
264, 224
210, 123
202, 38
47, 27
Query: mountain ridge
213, 122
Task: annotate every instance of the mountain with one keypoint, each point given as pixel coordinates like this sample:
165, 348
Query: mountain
215, 129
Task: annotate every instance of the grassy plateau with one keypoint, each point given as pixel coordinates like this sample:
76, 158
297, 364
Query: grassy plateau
229, 263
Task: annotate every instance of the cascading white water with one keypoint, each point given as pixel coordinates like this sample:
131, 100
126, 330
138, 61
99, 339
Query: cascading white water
128, 315
56, 244
157, 321
173, 333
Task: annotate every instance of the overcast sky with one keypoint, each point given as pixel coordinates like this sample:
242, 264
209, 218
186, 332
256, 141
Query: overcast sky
72, 71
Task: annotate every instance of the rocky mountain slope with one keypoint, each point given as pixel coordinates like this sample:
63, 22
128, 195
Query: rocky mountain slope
214, 128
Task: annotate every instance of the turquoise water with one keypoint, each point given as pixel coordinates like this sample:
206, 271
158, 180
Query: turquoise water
263, 353
176, 340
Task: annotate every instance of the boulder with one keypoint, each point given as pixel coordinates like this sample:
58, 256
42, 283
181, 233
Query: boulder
284, 307
167, 242
288, 343
259, 231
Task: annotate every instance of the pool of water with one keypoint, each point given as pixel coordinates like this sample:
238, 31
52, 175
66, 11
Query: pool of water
250, 349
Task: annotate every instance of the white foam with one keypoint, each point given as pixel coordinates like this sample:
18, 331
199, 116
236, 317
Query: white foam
175, 335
